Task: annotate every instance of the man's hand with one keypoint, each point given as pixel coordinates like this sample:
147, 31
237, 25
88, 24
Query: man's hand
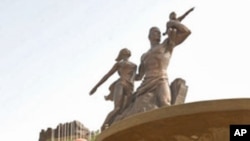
172, 23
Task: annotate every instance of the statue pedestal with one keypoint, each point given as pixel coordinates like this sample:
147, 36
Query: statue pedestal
198, 121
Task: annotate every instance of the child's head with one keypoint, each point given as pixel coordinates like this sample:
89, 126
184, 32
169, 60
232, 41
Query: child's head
172, 16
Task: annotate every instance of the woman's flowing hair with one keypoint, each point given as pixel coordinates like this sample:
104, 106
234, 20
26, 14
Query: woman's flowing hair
121, 54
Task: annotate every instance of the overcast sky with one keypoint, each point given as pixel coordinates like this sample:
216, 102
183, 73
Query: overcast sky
52, 52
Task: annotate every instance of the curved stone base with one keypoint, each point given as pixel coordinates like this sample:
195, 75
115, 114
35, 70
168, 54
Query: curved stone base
198, 121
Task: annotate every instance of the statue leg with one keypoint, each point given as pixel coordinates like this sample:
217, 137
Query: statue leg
163, 94
118, 102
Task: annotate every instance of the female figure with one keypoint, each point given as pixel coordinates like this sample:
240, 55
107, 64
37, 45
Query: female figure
121, 90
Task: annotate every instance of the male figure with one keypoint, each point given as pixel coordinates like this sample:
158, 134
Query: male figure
154, 63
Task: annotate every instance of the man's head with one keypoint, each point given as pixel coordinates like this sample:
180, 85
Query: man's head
172, 16
154, 34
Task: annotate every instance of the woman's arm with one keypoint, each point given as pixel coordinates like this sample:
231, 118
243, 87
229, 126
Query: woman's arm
105, 77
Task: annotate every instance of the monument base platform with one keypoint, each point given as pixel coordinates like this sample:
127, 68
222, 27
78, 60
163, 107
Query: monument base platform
197, 121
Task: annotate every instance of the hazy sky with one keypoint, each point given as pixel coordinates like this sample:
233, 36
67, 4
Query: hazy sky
52, 52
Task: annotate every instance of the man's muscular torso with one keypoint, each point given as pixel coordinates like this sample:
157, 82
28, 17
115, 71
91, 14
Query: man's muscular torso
156, 61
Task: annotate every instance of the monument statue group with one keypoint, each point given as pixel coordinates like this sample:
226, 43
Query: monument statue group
154, 91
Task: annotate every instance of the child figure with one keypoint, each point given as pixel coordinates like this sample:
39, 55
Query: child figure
172, 16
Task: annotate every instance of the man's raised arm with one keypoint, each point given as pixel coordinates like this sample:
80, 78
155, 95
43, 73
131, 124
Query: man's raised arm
182, 32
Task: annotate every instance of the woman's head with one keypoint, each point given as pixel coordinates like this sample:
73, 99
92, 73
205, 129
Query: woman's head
123, 54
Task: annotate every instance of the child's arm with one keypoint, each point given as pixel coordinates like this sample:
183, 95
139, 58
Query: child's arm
185, 14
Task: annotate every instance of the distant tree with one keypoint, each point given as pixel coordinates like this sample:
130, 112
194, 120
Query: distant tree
93, 135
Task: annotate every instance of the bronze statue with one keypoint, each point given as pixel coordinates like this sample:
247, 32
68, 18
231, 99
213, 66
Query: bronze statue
172, 16
154, 91
122, 89
155, 61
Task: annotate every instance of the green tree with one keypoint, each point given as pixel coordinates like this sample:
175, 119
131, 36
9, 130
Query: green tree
93, 135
